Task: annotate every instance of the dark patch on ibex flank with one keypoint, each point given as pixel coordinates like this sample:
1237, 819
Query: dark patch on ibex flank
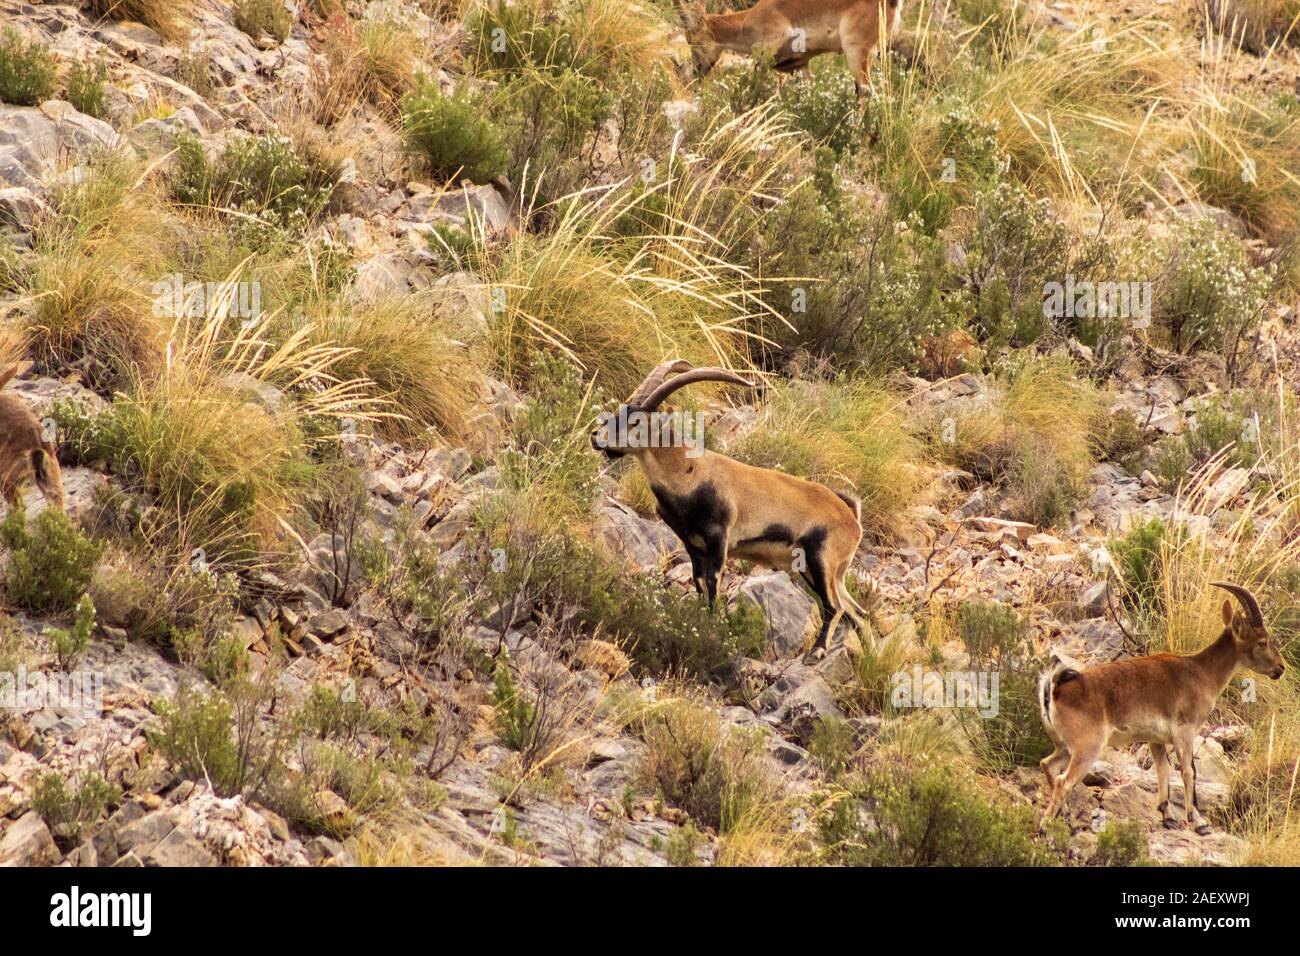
702, 510
774, 533
813, 540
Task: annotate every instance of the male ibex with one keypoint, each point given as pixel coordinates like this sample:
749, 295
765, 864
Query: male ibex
1161, 699
793, 31
24, 451
722, 508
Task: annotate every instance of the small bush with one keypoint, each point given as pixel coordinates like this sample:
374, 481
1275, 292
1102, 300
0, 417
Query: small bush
71, 807
259, 18
1038, 435
451, 136
931, 816
714, 773
50, 567
1138, 564
68, 645
263, 176
84, 87
26, 70
1207, 296
1121, 843
998, 642
220, 738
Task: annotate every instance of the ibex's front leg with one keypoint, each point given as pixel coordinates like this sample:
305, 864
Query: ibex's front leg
1187, 763
1160, 760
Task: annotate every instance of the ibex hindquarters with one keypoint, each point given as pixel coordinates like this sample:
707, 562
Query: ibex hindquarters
25, 454
793, 32
1161, 700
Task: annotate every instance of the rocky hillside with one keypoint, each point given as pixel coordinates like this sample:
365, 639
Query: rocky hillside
318, 304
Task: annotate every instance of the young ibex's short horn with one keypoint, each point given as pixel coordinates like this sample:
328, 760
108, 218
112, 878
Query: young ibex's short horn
1247, 600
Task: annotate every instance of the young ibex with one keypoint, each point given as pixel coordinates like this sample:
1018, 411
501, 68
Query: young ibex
722, 508
1161, 699
24, 452
794, 31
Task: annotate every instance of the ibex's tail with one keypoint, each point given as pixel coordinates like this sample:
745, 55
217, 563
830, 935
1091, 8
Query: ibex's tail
1047, 684
854, 504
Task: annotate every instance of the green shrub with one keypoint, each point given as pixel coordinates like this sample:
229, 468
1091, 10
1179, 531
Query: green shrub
70, 807
1207, 295
931, 816
716, 774
219, 737
51, 566
67, 645
260, 18
516, 717
872, 294
998, 641
263, 176
1138, 563
84, 87
1121, 843
1015, 246
451, 136
26, 70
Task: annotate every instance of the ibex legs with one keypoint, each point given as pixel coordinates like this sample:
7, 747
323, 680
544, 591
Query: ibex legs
1187, 763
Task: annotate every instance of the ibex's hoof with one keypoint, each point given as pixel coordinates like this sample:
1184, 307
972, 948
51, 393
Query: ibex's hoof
1170, 824
814, 656
1203, 830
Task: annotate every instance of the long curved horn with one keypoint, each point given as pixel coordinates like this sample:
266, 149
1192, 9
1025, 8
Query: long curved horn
656, 398
656, 378
1246, 598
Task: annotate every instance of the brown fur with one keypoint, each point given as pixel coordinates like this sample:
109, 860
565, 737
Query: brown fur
851, 27
25, 455
1161, 700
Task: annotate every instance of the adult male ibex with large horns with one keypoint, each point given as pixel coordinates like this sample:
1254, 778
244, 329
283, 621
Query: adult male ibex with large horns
722, 508
792, 31
1160, 700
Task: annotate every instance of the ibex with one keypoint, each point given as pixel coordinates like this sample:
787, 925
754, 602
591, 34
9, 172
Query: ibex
793, 31
721, 508
1160, 699
24, 451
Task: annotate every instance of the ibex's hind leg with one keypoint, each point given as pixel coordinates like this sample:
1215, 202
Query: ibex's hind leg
1053, 764
1082, 758
1160, 760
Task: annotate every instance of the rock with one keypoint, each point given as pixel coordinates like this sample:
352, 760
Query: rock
465, 302
27, 842
480, 203
19, 207
1020, 531
1096, 599
792, 616
1192, 211
643, 542
330, 625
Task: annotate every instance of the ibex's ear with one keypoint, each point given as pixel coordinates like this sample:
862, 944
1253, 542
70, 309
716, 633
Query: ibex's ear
1227, 612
